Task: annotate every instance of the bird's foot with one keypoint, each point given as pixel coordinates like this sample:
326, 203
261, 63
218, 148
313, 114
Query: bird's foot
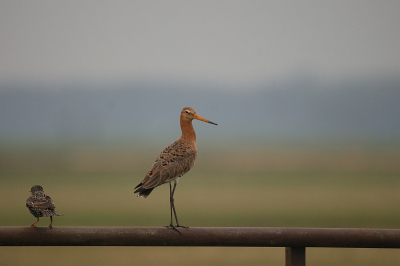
174, 228
186, 227
33, 225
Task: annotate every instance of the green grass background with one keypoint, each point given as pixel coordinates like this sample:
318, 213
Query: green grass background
246, 184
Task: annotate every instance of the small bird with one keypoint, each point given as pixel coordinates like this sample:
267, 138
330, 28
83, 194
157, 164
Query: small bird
41, 205
173, 162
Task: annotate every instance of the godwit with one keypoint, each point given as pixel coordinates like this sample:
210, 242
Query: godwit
41, 205
173, 162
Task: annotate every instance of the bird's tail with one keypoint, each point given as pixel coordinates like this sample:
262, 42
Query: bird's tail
144, 192
48, 213
58, 214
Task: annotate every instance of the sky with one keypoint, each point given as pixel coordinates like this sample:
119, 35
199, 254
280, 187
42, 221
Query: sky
232, 42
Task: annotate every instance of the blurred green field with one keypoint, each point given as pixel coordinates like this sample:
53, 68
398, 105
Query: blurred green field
231, 185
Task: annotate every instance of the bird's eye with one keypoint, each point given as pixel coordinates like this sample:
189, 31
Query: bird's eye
187, 111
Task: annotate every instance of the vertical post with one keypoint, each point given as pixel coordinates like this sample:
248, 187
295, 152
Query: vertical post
295, 256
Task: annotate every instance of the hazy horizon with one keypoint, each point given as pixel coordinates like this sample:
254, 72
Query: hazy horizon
300, 108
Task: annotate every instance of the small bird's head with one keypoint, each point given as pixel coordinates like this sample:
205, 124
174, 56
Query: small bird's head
188, 114
36, 188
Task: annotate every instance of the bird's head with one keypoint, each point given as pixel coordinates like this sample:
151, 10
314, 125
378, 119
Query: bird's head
36, 188
188, 114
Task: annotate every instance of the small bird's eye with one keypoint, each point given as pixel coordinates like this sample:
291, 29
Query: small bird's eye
187, 111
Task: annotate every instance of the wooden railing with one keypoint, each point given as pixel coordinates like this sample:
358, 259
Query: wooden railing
295, 240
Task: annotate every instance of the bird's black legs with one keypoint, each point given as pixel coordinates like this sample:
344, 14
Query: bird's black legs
173, 205
172, 208
37, 220
170, 204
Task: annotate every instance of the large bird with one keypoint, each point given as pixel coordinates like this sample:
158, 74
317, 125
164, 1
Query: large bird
173, 162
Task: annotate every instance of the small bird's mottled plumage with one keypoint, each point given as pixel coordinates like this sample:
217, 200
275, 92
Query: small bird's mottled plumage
174, 161
41, 205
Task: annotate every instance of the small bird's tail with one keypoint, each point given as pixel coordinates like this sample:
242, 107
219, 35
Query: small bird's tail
50, 212
58, 214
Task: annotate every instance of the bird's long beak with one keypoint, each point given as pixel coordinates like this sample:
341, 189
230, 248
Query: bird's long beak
203, 119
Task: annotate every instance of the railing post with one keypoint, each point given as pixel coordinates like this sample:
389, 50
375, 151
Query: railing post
295, 256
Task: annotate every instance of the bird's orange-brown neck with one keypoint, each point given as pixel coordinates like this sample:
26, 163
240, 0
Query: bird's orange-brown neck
188, 132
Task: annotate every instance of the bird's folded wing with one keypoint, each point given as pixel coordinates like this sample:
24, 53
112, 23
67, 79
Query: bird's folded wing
40, 203
167, 168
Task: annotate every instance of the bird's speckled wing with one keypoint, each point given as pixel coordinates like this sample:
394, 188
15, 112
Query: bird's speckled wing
41, 201
174, 161
41, 205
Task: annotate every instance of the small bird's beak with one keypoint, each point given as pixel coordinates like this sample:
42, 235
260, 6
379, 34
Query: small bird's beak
203, 119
